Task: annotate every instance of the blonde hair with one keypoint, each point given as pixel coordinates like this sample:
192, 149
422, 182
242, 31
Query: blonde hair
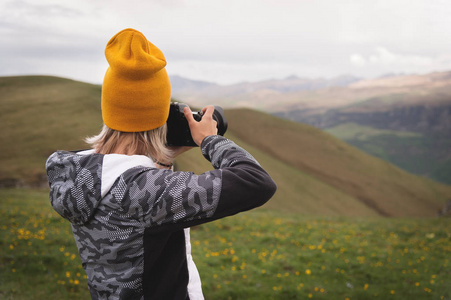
151, 143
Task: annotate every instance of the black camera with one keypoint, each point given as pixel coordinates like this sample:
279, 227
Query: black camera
179, 133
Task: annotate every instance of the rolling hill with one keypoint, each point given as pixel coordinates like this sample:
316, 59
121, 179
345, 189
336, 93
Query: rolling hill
317, 174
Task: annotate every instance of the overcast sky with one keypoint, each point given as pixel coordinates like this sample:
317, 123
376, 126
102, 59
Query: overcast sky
230, 41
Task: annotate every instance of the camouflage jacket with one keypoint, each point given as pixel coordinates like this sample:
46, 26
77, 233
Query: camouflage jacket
129, 218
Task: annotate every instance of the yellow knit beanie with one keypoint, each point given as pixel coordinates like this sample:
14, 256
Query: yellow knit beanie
136, 91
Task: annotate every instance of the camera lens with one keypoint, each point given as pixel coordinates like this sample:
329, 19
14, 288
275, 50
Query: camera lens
218, 116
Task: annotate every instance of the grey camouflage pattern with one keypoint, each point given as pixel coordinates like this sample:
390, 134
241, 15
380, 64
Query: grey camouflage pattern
140, 198
218, 154
74, 184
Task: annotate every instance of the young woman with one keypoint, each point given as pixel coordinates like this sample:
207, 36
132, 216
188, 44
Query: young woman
130, 212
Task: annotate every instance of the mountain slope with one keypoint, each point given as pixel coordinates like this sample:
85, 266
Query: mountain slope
41, 114
317, 174
298, 191
347, 175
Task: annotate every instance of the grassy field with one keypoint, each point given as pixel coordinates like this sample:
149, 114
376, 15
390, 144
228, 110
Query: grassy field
256, 255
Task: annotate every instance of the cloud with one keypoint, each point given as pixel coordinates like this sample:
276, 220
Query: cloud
357, 60
24, 13
383, 61
385, 57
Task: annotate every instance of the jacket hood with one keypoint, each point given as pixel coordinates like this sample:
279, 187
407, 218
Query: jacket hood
79, 180
75, 184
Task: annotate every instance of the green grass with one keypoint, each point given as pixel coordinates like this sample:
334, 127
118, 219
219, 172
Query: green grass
39, 259
260, 254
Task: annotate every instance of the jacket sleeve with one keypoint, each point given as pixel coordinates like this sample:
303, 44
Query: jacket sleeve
237, 184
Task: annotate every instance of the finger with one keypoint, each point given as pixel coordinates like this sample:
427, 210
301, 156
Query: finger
208, 111
207, 107
188, 115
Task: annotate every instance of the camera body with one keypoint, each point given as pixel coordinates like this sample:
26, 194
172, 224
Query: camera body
179, 133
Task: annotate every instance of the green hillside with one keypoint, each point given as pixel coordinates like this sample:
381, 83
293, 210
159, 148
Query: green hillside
319, 173
298, 191
41, 114
422, 154
316, 173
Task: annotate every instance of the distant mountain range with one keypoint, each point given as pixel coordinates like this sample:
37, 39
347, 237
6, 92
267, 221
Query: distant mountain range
292, 83
237, 95
404, 119
314, 94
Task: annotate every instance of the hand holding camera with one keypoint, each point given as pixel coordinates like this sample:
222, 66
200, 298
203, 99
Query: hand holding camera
187, 128
203, 128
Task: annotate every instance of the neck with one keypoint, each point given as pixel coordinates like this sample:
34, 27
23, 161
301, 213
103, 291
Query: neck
123, 147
